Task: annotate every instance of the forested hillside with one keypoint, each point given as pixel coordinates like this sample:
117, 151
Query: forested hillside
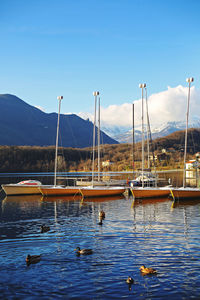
168, 150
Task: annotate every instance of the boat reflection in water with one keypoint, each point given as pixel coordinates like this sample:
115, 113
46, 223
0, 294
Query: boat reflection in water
147, 201
104, 199
185, 202
64, 198
150, 234
24, 202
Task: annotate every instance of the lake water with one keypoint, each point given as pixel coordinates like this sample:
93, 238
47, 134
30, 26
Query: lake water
151, 233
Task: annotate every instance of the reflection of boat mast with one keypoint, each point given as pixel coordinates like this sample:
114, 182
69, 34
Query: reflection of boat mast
56, 153
55, 211
185, 222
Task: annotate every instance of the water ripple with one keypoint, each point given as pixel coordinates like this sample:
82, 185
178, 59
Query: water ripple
149, 234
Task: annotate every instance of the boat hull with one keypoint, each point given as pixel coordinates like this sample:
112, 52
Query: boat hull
101, 192
56, 191
17, 189
185, 193
150, 192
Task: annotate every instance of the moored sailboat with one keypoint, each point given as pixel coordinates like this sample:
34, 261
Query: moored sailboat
26, 187
55, 189
150, 192
99, 191
59, 190
186, 192
147, 191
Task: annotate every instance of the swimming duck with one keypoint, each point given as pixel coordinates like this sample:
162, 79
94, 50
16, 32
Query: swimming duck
145, 270
44, 228
83, 251
102, 214
129, 280
32, 259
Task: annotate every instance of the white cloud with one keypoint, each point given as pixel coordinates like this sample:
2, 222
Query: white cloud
166, 106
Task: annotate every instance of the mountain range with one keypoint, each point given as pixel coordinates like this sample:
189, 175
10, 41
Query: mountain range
22, 124
158, 131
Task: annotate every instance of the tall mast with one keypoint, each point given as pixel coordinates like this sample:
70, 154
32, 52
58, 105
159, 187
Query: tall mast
189, 80
133, 145
148, 129
142, 86
99, 141
95, 104
56, 152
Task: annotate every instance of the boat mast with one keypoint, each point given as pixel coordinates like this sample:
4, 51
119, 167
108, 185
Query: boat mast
142, 86
95, 104
148, 130
56, 153
189, 80
133, 145
99, 141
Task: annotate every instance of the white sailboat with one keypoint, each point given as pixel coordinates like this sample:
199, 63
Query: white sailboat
147, 191
93, 190
25, 187
186, 192
47, 190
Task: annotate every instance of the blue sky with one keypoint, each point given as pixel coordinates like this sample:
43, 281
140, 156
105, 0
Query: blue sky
74, 47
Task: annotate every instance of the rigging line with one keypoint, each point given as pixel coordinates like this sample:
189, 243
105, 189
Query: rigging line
73, 135
133, 137
61, 151
150, 137
148, 128
192, 137
152, 150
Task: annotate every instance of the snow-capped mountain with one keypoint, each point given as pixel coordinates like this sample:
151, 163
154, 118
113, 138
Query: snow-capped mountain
125, 134
115, 130
156, 131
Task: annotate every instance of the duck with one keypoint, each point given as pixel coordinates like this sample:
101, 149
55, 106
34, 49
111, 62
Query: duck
145, 270
44, 228
129, 280
83, 251
102, 214
32, 259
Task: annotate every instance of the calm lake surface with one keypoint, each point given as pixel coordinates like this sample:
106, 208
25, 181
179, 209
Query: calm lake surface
150, 233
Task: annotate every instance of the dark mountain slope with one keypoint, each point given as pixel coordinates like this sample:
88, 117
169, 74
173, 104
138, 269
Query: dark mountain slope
23, 124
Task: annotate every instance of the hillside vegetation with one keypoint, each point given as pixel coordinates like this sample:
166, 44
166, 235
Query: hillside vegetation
168, 151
